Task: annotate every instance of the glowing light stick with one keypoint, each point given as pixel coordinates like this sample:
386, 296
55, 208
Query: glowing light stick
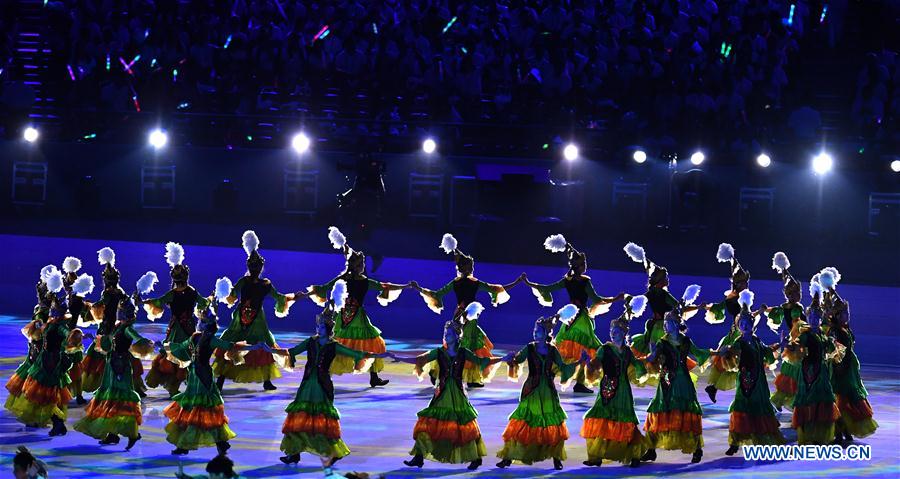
107, 62
374, 28
227, 42
824, 11
449, 24
791, 15
137, 105
90, 137
325, 34
135, 60
321, 32
125, 66
152, 63
71, 75
174, 75
146, 33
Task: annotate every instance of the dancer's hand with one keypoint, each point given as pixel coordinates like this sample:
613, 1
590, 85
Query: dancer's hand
414, 285
301, 294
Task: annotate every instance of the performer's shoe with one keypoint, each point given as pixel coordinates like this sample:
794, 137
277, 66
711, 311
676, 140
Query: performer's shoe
838, 439
291, 459
848, 437
711, 391
220, 383
268, 386
650, 455
474, 464
223, 447
80, 400
698, 454
634, 463
59, 427
593, 463
581, 388
504, 463
732, 449
110, 439
333, 460
474, 385
557, 464
416, 461
179, 452
375, 381
132, 441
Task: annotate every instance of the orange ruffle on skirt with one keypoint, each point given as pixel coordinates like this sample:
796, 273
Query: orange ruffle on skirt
482, 352
97, 409
165, 367
318, 424
571, 351
15, 384
678, 421
201, 417
39, 394
593, 428
857, 410
725, 363
258, 358
457, 434
519, 431
92, 366
818, 412
373, 345
690, 363
786, 384
743, 423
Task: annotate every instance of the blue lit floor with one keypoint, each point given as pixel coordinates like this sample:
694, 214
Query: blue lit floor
377, 425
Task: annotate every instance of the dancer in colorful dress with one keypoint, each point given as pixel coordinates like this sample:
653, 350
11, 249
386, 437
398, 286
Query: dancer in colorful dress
752, 413
77, 287
829, 278
313, 423
181, 300
354, 329
248, 323
44, 397
660, 301
723, 375
447, 430
815, 408
104, 314
197, 415
115, 409
856, 412
674, 415
610, 426
465, 287
33, 332
785, 320
579, 335
537, 428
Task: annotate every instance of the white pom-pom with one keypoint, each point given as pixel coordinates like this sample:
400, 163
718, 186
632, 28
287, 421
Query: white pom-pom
55, 281
780, 262
745, 298
106, 256
834, 274
635, 252
250, 241
474, 310
448, 243
826, 279
567, 312
691, 293
174, 254
339, 294
555, 243
815, 287
223, 288
83, 285
338, 240
638, 304
46, 271
725, 253
71, 264
146, 282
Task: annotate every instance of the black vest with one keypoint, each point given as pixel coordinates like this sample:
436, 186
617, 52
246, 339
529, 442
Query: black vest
450, 369
182, 307
536, 371
577, 289
323, 355
612, 367
111, 300
55, 334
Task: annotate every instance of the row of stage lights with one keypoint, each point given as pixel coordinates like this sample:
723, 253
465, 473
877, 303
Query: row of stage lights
821, 163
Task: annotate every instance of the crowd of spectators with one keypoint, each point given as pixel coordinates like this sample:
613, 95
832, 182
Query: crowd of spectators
877, 94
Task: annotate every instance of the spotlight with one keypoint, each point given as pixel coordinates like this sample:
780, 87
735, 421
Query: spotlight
639, 156
570, 152
30, 134
822, 163
158, 138
300, 143
697, 158
428, 146
763, 160
895, 166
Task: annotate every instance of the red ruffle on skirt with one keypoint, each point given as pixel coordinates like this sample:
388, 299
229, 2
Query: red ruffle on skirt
678, 421
818, 412
438, 430
519, 431
318, 424
743, 423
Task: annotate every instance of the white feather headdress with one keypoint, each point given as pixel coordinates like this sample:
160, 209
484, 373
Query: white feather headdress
223, 289
555, 243
745, 298
106, 256
814, 286
725, 253
637, 304
474, 310
174, 254
338, 240
146, 282
829, 277
635, 252
567, 312
448, 243
71, 264
339, 294
780, 262
55, 281
250, 241
83, 285
46, 271
691, 293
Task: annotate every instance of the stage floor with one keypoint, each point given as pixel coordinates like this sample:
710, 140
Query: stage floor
377, 425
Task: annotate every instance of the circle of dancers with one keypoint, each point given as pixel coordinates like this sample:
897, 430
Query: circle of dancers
818, 375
